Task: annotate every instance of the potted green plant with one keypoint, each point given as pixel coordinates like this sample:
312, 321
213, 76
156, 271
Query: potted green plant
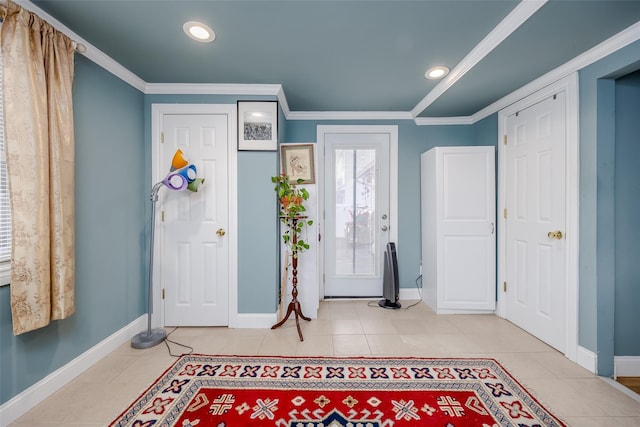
292, 210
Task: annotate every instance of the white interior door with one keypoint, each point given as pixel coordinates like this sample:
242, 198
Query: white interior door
536, 203
194, 250
357, 212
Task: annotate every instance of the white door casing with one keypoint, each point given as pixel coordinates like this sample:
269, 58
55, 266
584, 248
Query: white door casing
538, 187
192, 258
382, 139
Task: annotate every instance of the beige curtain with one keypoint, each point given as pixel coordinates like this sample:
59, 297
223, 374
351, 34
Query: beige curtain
37, 81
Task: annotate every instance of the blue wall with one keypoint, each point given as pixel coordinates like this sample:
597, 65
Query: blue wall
627, 216
596, 321
258, 257
113, 173
413, 140
109, 131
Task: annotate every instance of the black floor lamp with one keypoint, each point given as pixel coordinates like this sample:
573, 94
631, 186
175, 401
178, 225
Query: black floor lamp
182, 176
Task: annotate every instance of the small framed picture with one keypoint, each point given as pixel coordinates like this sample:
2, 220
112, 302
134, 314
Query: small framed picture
258, 125
297, 162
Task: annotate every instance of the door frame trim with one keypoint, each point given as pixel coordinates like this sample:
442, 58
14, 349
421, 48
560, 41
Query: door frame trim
159, 171
321, 131
569, 85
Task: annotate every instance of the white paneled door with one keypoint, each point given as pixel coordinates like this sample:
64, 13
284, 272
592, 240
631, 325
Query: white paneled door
458, 229
194, 249
535, 220
357, 212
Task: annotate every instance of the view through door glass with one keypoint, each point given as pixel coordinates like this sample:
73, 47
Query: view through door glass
355, 209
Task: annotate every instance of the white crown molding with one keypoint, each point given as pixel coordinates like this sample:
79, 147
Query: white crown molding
211, 89
349, 115
93, 53
517, 16
435, 121
607, 47
282, 99
515, 19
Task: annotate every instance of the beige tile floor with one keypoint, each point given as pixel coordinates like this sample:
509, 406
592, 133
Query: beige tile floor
350, 328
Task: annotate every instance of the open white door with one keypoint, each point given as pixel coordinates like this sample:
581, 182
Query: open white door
536, 286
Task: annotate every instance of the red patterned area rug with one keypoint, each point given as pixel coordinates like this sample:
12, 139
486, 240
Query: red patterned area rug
238, 391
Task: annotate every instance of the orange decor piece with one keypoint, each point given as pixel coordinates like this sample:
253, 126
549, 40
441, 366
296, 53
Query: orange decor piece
178, 161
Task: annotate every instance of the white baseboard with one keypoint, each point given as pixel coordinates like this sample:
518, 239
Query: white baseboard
587, 359
410, 293
626, 366
26, 400
255, 320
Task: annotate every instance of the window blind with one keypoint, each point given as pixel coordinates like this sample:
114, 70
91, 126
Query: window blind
5, 208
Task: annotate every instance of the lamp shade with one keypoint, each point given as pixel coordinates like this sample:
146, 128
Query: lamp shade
175, 181
178, 161
189, 173
195, 184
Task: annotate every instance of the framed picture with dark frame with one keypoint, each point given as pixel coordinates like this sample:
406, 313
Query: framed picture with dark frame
258, 125
298, 162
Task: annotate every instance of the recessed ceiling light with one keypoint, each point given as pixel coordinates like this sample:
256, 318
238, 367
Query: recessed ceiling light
436, 72
199, 31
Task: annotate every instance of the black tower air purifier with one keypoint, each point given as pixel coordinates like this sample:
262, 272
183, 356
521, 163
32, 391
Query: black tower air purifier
390, 283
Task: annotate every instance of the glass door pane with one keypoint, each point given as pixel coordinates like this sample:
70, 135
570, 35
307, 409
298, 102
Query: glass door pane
355, 210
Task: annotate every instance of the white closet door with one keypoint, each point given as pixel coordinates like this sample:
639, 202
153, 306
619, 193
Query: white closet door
466, 255
458, 229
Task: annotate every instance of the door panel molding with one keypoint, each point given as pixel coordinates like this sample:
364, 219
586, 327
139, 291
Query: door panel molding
158, 172
392, 131
569, 85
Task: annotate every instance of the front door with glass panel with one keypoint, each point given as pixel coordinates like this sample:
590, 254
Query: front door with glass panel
356, 213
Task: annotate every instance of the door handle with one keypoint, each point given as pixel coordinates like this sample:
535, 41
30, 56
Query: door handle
220, 232
384, 228
555, 235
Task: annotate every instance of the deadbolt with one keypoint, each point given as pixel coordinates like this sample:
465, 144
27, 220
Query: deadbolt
555, 235
220, 232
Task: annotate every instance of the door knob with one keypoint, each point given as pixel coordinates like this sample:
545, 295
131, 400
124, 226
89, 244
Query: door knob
220, 232
384, 228
555, 235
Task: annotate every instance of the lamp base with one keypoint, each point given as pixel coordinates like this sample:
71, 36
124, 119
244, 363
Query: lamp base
148, 340
385, 303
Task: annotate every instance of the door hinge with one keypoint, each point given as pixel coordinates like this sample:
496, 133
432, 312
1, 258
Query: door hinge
163, 216
161, 137
504, 139
162, 293
504, 213
504, 286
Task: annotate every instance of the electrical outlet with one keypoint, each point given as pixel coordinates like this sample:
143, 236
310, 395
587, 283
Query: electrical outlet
421, 268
